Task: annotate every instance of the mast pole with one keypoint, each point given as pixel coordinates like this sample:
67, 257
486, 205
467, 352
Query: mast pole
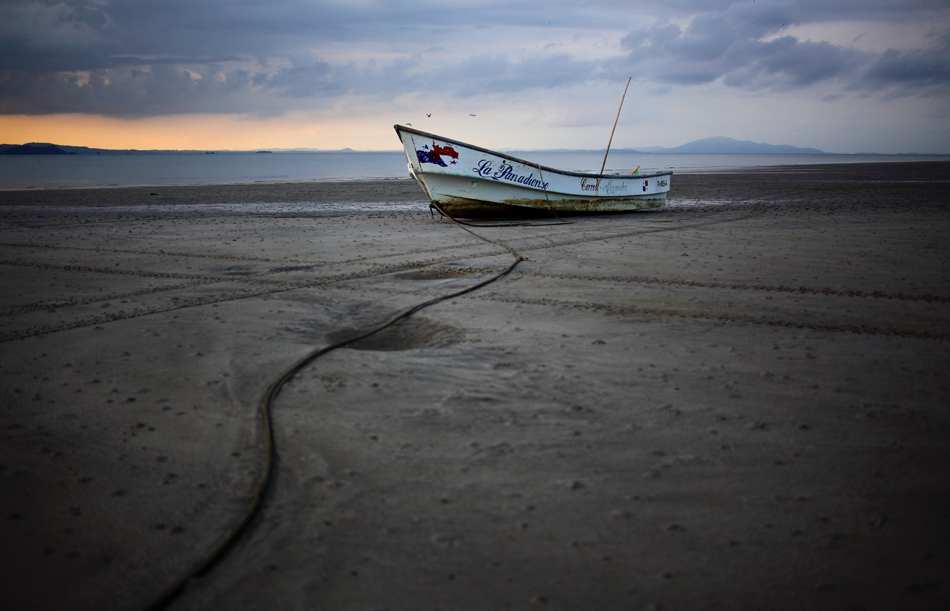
615, 126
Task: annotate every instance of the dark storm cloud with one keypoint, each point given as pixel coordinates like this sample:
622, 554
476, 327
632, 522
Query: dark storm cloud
728, 45
135, 59
738, 46
144, 57
923, 70
671, 56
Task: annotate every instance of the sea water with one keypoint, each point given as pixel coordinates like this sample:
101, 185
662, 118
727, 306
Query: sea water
147, 169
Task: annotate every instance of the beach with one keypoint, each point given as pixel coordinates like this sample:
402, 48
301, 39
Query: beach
738, 401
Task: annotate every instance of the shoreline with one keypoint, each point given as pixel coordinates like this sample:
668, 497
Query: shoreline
685, 171
212, 184
688, 186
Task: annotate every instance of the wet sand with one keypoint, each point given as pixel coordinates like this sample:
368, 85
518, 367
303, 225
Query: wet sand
738, 401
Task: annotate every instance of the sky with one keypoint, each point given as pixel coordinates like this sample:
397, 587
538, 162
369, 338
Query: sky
844, 76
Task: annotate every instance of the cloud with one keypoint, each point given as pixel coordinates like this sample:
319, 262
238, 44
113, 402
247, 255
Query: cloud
157, 89
922, 71
491, 74
730, 46
137, 58
742, 47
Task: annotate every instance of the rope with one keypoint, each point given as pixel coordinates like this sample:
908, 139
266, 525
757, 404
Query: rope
203, 566
550, 207
265, 408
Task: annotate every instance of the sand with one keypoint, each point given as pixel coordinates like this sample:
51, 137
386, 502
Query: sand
739, 401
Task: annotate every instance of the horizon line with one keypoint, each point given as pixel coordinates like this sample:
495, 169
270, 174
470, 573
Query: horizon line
628, 149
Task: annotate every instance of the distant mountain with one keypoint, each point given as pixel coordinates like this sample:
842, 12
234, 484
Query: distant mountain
721, 144
33, 148
45, 148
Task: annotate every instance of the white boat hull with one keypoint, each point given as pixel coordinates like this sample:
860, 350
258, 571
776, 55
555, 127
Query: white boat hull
466, 180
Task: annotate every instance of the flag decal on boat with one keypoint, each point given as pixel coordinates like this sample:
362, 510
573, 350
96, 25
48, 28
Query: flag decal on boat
444, 156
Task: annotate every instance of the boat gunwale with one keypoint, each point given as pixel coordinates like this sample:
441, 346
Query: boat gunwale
412, 130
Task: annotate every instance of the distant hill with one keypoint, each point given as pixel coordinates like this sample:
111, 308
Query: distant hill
721, 144
33, 148
45, 148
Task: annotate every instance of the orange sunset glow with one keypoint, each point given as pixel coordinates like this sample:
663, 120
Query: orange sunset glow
195, 132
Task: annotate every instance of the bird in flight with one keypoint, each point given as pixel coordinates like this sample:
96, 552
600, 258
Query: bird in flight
428, 114
471, 115
408, 123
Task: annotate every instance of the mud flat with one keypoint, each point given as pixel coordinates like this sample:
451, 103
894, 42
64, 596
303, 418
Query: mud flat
739, 401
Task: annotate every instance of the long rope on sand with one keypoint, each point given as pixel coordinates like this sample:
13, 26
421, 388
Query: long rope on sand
269, 450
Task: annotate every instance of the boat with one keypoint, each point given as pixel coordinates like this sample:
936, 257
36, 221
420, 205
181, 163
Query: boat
469, 181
